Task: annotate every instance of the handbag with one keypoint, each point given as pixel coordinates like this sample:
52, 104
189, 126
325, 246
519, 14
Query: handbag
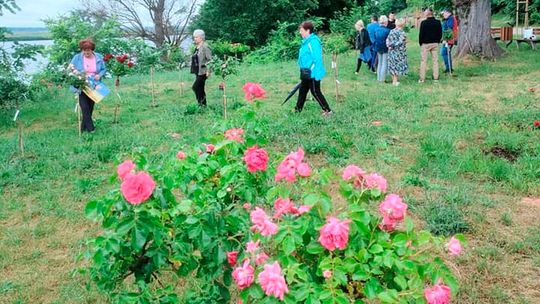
305, 74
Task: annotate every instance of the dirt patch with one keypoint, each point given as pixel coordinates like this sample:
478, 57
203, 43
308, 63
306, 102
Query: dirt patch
502, 152
531, 201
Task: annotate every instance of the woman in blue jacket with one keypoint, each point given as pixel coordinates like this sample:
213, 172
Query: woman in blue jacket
311, 68
92, 65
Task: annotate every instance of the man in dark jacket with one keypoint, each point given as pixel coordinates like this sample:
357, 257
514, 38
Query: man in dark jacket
429, 39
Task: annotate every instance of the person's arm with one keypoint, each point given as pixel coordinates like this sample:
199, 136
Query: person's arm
316, 53
207, 56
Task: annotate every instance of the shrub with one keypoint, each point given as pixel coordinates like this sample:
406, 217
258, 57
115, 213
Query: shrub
224, 49
226, 210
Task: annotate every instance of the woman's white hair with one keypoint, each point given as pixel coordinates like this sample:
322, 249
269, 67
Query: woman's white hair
400, 22
199, 33
359, 25
383, 19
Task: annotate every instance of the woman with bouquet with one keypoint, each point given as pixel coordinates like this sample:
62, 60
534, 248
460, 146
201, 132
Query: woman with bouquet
87, 64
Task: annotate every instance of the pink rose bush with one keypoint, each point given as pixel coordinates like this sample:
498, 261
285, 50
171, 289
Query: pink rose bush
253, 91
227, 220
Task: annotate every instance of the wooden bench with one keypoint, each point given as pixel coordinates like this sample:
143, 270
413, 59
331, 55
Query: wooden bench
531, 42
504, 33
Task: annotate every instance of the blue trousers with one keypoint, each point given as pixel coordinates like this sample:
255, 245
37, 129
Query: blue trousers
447, 60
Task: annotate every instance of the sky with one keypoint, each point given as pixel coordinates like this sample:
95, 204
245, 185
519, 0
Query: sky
32, 11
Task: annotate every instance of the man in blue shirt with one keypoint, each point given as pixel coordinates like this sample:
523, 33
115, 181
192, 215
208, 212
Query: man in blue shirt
449, 24
371, 28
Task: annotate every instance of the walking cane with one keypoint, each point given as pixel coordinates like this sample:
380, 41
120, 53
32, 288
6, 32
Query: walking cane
449, 52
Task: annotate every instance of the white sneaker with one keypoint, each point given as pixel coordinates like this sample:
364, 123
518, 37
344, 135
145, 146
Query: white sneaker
420, 81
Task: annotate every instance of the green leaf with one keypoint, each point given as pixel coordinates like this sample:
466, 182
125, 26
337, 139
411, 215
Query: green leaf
372, 288
288, 245
125, 225
138, 238
91, 210
376, 248
409, 225
388, 297
315, 248
400, 280
256, 292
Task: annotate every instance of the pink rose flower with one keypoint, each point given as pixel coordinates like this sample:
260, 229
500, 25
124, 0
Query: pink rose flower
393, 207
235, 134
137, 188
244, 275
231, 257
261, 258
304, 170
393, 211
282, 206
327, 274
334, 234
354, 173
303, 209
256, 159
272, 281
438, 294
253, 91
210, 148
251, 246
246, 206
181, 155
375, 181
291, 165
261, 223
454, 247
125, 168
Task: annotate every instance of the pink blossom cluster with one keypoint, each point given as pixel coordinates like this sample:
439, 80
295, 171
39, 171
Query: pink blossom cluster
334, 234
136, 187
362, 180
235, 135
272, 281
244, 275
291, 165
454, 247
256, 159
253, 91
285, 206
262, 223
438, 294
393, 211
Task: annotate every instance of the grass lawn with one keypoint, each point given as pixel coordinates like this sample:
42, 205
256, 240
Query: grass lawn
463, 153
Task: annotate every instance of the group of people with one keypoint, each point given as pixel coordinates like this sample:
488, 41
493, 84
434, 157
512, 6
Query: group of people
382, 46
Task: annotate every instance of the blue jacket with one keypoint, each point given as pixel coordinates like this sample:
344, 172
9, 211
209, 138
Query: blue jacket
371, 30
77, 61
381, 33
310, 56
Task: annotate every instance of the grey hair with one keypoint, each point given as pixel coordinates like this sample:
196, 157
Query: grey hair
199, 33
383, 19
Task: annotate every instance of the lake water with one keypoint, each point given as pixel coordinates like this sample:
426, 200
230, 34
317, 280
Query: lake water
31, 66
34, 66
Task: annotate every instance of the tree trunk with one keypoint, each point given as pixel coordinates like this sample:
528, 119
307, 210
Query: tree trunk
475, 29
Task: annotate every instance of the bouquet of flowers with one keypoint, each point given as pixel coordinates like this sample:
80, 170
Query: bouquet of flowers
75, 78
448, 35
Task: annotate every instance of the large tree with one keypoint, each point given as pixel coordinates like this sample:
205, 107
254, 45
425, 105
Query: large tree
248, 22
474, 29
160, 21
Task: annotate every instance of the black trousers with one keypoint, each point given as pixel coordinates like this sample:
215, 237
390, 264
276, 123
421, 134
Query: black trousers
87, 108
315, 87
198, 88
